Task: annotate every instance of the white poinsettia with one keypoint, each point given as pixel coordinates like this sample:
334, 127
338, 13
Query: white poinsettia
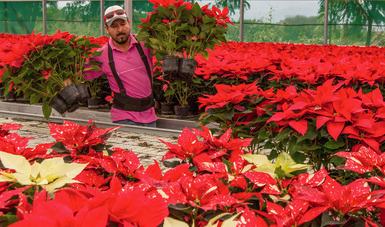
50, 173
284, 165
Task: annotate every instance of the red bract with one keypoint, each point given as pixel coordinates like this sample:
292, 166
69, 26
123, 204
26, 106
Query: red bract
6, 198
228, 94
295, 213
76, 137
225, 142
187, 148
90, 207
5, 128
15, 144
332, 196
50, 213
250, 218
206, 192
362, 159
367, 130
165, 187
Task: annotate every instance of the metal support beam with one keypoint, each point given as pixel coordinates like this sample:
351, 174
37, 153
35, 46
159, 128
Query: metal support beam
44, 3
241, 16
101, 17
326, 22
128, 9
6, 17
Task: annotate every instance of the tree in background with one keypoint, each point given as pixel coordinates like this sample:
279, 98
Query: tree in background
20, 17
354, 16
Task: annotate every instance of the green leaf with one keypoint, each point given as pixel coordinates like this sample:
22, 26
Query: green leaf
196, 10
47, 110
71, 54
155, 41
93, 68
299, 157
229, 114
332, 144
35, 98
97, 53
204, 54
283, 134
328, 220
228, 165
8, 219
337, 161
5, 75
194, 30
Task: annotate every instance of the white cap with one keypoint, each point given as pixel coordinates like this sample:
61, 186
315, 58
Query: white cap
112, 9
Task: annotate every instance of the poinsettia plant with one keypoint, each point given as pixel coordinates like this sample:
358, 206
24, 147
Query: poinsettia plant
218, 181
181, 90
49, 62
164, 29
179, 26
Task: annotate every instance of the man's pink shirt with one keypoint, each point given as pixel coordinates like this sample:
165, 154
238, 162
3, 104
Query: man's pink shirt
133, 74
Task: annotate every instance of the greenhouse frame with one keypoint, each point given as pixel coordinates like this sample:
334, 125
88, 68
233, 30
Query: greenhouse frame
340, 22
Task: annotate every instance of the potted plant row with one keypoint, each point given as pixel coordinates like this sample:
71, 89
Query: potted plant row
53, 75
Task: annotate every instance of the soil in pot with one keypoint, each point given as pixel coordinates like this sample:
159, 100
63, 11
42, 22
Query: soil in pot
181, 112
70, 94
187, 68
167, 108
170, 67
59, 104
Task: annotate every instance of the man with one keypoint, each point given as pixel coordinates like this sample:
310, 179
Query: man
128, 67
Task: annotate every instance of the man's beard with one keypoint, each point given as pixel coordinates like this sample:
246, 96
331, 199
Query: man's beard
123, 39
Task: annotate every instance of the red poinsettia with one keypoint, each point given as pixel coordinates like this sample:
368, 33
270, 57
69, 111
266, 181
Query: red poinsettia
15, 144
187, 148
206, 192
76, 137
362, 159
90, 207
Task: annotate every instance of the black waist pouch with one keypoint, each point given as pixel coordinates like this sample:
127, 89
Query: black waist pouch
125, 102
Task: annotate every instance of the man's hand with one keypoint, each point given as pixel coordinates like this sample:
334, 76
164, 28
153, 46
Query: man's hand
67, 82
178, 54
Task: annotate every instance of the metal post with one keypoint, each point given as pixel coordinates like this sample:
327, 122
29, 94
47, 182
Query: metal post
44, 2
101, 17
6, 17
128, 9
326, 22
241, 16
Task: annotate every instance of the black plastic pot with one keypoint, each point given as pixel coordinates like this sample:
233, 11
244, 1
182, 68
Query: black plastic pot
170, 67
95, 103
59, 104
167, 108
187, 68
181, 111
70, 94
83, 92
2, 93
10, 97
